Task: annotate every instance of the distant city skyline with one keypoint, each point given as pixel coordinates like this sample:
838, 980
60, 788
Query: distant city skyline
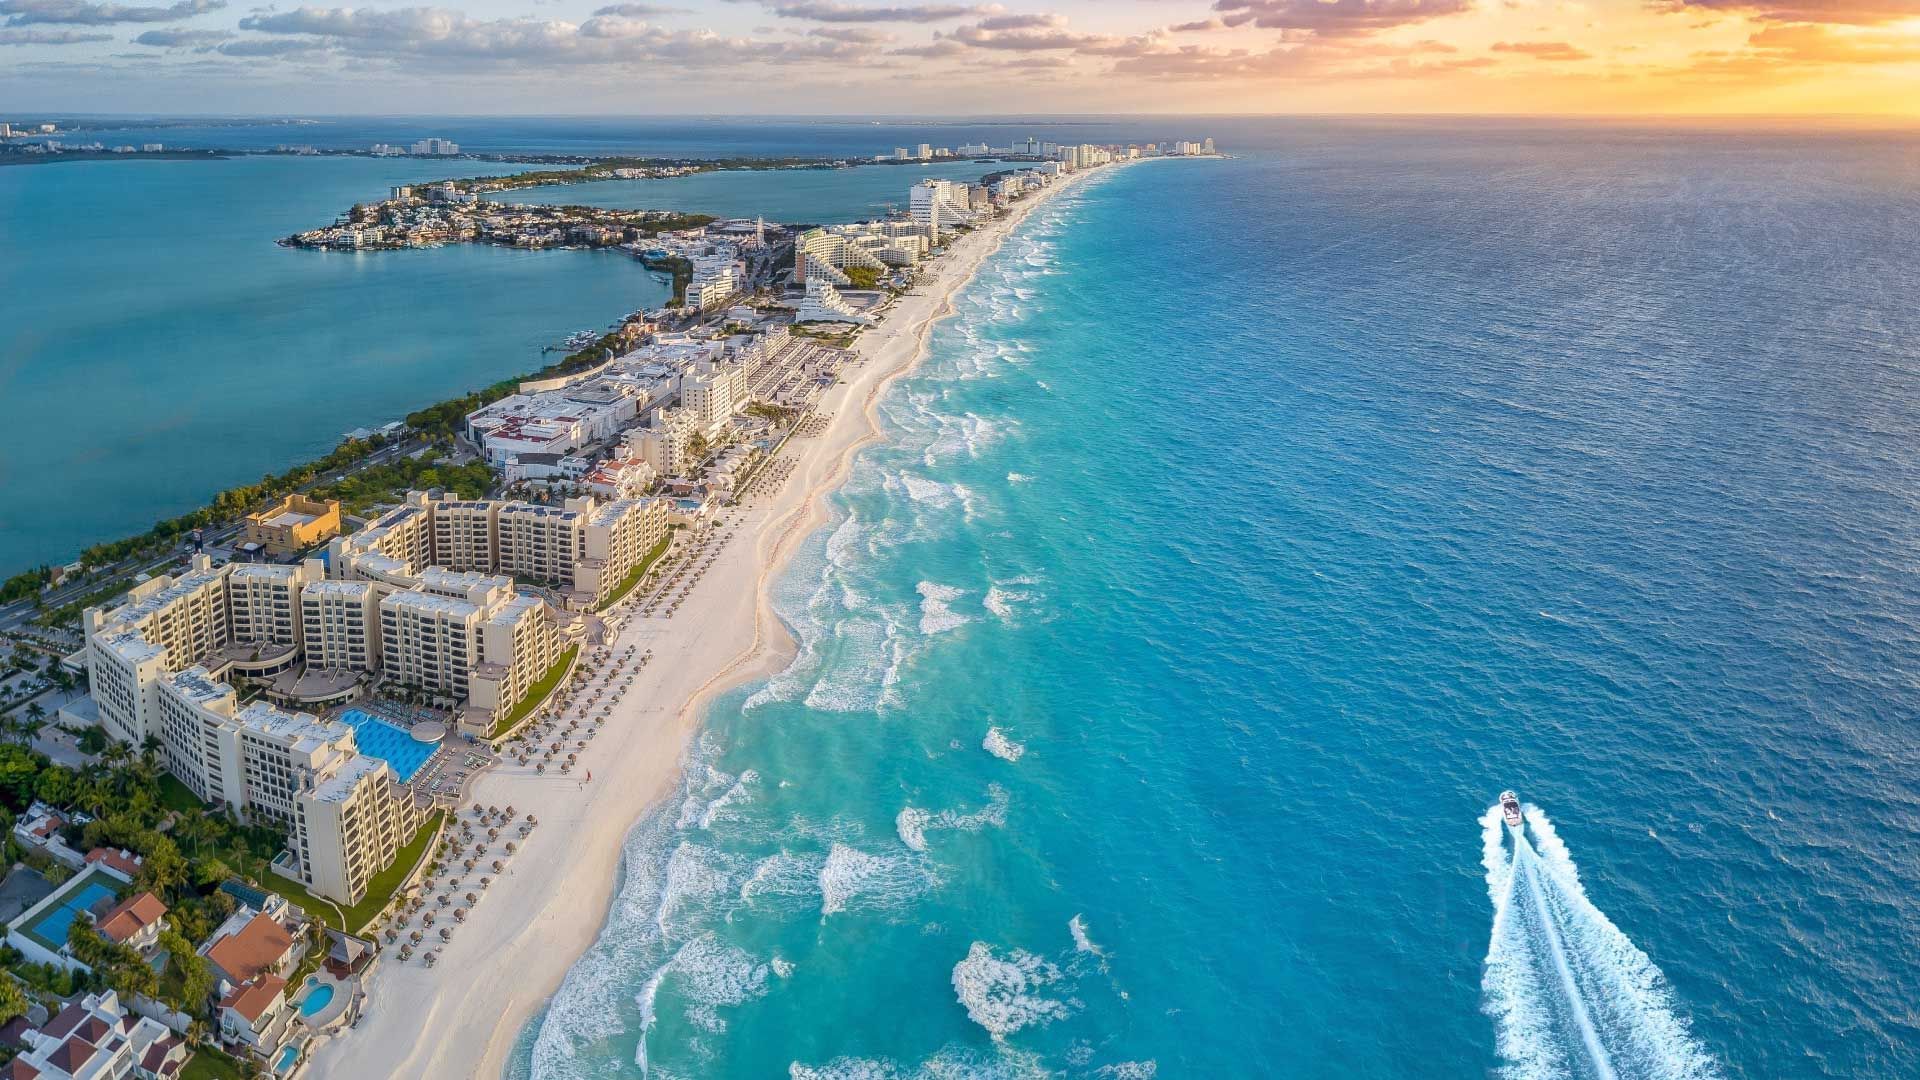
927, 57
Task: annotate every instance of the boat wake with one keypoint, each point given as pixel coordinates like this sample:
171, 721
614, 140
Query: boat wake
1570, 995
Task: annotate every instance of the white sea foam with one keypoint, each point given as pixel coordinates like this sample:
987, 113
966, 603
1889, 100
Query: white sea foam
710, 974
1003, 995
1019, 478
936, 608
997, 744
1130, 1070
782, 874
1077, 926
1568, 991
913, 823
852, 877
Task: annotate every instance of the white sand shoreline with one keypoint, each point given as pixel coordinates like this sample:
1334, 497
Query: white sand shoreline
462, 1018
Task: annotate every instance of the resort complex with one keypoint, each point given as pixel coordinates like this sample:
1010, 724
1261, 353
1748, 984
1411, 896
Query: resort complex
329, 676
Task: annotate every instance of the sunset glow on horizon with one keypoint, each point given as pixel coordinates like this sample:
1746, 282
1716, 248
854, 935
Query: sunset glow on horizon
1560, 57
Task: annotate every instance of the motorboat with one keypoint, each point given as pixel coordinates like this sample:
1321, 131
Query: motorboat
1510, 809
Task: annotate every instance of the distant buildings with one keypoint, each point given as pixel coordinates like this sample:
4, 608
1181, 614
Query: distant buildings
436, 147
823, 303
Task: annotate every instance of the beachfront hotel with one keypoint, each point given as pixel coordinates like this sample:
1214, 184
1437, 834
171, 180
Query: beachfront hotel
164, 666
823, 303
347, 815
584, 548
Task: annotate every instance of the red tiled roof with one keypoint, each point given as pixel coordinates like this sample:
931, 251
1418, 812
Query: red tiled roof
253, 998
257, 947
20, 1070
124, 861
130, 916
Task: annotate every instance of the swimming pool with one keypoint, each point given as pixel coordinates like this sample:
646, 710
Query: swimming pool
391, 744
288, 1055
317, 998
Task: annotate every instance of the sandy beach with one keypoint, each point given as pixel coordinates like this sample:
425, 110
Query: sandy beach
461, 1018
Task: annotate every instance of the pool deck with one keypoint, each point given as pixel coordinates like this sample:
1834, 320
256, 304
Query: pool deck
333, 1010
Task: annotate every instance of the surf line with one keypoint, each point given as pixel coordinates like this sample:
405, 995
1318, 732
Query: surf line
1525, 860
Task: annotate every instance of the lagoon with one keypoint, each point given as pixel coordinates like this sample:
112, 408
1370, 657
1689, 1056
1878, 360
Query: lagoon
157, 347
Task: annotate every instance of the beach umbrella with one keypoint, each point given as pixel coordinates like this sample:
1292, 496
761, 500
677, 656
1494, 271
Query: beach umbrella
430, 958
459, 914
498, 866
446, 933
485, 881
472, 898
415, 937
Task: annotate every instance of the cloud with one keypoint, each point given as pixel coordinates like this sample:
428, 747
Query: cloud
1844, 12
49, 37
181, 39
1020, 22
858, 35
1542, 50
1335, 17
1028, 33
454, 37
83, 13
270, 47
836, 12
638, 11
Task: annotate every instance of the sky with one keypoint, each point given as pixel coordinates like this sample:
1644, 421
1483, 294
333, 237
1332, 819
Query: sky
933, 57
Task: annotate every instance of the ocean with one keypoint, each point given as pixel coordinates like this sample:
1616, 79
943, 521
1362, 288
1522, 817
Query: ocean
1252, 524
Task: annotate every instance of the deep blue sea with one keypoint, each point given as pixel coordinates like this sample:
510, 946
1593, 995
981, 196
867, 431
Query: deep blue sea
1250, 527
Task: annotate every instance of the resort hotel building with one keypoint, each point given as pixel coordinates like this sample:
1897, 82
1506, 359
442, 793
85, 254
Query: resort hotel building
585, 549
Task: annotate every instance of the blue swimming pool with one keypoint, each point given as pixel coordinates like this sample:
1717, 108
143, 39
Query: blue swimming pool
288, 1055
318, 998
391, 744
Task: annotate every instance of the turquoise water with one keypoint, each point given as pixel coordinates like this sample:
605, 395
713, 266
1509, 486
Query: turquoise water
317, 999
288, 1055
818, 196
393, 745
1252, 525
158, 346
53, 924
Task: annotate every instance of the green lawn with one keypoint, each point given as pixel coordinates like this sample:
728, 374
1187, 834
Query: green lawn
379, 890
634, 576
210, 1064
537, 693
175, 795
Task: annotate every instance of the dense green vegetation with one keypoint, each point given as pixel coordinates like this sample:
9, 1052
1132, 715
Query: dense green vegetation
22, 585
681, 269
862, 277
362, 489
186, 852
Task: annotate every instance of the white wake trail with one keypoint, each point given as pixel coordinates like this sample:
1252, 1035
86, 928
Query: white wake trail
1571, 996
